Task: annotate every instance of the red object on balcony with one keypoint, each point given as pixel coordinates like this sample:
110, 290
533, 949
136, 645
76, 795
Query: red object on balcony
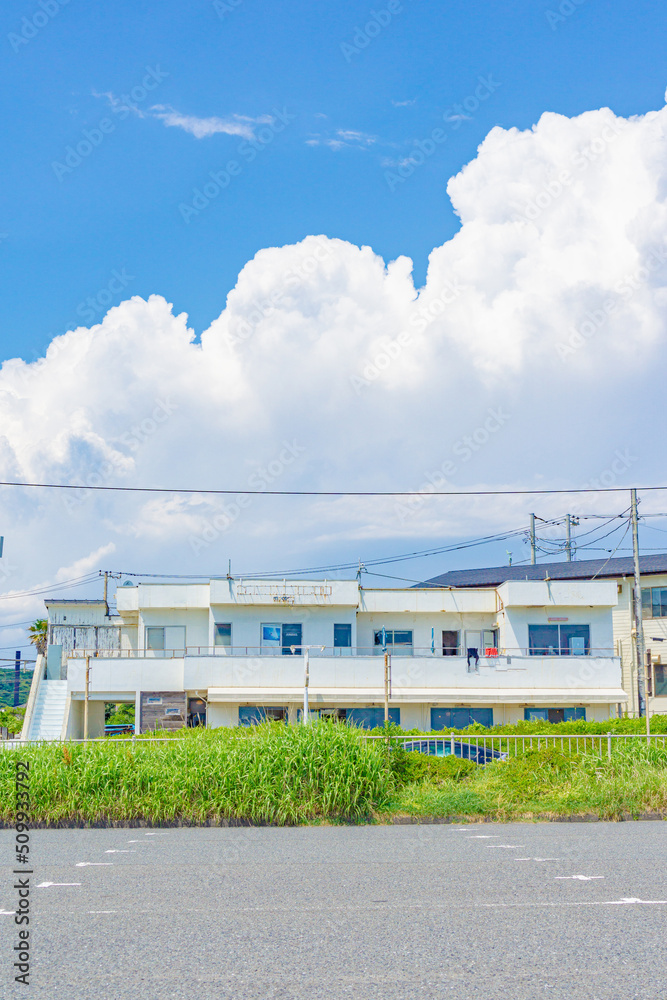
491, 651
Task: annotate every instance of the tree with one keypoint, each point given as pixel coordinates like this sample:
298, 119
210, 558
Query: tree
38, 633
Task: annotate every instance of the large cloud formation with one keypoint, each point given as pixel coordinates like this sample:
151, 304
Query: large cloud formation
530, 358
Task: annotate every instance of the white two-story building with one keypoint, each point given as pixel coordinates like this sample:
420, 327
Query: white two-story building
231, 652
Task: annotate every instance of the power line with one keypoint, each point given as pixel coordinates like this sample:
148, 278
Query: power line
334, 493
78, 581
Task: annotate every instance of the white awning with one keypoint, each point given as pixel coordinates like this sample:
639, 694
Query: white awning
421, 696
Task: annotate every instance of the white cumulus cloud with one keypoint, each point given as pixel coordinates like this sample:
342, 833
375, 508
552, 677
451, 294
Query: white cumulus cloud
531, 358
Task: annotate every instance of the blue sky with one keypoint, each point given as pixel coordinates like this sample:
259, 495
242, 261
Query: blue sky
119, 209
331, 128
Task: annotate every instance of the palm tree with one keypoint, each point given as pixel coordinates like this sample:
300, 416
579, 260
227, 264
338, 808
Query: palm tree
38, 633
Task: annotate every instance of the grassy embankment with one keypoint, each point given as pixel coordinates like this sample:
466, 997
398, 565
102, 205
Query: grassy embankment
324, 773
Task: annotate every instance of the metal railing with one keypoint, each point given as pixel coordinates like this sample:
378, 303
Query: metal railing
504, 747
485, 657
481, 748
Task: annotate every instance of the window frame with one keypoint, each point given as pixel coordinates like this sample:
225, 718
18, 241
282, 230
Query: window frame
222, 645
562, 645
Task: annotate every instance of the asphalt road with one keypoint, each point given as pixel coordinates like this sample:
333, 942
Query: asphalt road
486, 911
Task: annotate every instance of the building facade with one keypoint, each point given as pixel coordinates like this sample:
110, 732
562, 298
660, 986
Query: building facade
620, 571
232, 652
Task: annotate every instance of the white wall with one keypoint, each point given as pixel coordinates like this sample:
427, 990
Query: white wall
421, 625
515, 622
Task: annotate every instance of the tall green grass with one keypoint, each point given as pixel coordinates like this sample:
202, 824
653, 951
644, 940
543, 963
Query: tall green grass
549, 783
265, 774
325, 772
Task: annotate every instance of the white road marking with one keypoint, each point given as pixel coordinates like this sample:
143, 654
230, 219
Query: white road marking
484, 836
537, 859
156, 835
134, 841
47, 885
582, 878
120, 852
625, 901
88, 864
103, 911
7, 913
504, 847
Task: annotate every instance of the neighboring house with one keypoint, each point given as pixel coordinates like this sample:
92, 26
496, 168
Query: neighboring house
229, 652
653, 573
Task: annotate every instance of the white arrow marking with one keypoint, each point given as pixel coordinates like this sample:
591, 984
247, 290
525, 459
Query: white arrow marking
88, 864
582, 878
47, 885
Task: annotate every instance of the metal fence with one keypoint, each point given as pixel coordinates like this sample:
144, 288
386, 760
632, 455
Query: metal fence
481, 749
486, 748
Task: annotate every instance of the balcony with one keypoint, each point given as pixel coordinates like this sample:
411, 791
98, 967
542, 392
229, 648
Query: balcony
250, 674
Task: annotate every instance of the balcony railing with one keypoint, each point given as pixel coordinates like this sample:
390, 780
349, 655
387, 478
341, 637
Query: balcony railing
486, 657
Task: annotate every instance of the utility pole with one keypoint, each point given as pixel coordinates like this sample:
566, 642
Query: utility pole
533, 555
17, 677
568, 542
106, 591
640, 645
85, 703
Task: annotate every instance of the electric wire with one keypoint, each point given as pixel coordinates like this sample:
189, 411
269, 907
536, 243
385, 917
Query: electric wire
333, 493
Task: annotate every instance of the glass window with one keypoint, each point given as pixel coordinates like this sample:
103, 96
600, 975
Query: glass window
646, 602
559, 640
223, 634
291, 637
155, 638
460, 718
553, 714
372, 718
654, 602
574, 640
398, 640
270, 637
252, 715
342, 636
660, 678
543, 640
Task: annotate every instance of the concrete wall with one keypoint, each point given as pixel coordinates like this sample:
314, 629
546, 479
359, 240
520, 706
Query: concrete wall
421, 625
515, 622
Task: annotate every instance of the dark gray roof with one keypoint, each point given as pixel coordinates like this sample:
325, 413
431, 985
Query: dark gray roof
582, 569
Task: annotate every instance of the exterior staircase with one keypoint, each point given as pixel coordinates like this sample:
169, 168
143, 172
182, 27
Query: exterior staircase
49, 714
